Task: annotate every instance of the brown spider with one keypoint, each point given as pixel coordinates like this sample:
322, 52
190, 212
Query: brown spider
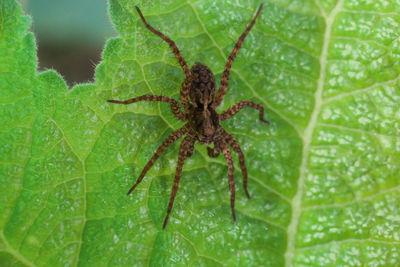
199, 113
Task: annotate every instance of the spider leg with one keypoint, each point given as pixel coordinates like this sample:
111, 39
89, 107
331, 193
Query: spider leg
190, 151
187, 145
184, 94
229, 161
213, 152
176, 109
234, 144
230, 112
167, 142
223, 86
171, 44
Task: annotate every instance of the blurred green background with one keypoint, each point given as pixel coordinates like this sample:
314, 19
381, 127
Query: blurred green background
70, 35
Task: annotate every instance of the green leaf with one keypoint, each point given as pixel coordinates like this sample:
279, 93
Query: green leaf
324, 176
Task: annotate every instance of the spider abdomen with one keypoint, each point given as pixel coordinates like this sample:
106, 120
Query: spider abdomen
202, 89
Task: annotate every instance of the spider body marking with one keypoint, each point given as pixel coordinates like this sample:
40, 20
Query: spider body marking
199, 99
202, 117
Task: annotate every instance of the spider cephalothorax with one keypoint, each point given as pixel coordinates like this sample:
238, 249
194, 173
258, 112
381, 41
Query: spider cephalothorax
199, 101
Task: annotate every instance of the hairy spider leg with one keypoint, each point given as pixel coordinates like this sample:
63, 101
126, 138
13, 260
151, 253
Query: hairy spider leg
213, 152
184, 94
167, 142
190, 151
229, 161
176, 109
230, 112
223, 86
235, 145
186, 145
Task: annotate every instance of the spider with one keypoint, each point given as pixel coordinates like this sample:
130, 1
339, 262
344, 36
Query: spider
199, 100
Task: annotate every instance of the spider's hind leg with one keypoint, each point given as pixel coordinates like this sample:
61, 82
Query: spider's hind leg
184, 94
223, 86
171, 43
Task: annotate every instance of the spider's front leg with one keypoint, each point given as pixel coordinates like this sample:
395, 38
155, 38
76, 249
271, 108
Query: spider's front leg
229, 161
176, 109
185, 149
234, 144
213, 152
190, 151
167, 142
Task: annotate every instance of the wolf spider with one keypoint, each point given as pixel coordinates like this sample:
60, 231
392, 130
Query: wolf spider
199, 101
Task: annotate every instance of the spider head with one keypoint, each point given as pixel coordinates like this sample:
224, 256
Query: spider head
205, 122
202, 90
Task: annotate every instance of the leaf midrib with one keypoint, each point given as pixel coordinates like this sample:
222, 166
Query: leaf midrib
307, 136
